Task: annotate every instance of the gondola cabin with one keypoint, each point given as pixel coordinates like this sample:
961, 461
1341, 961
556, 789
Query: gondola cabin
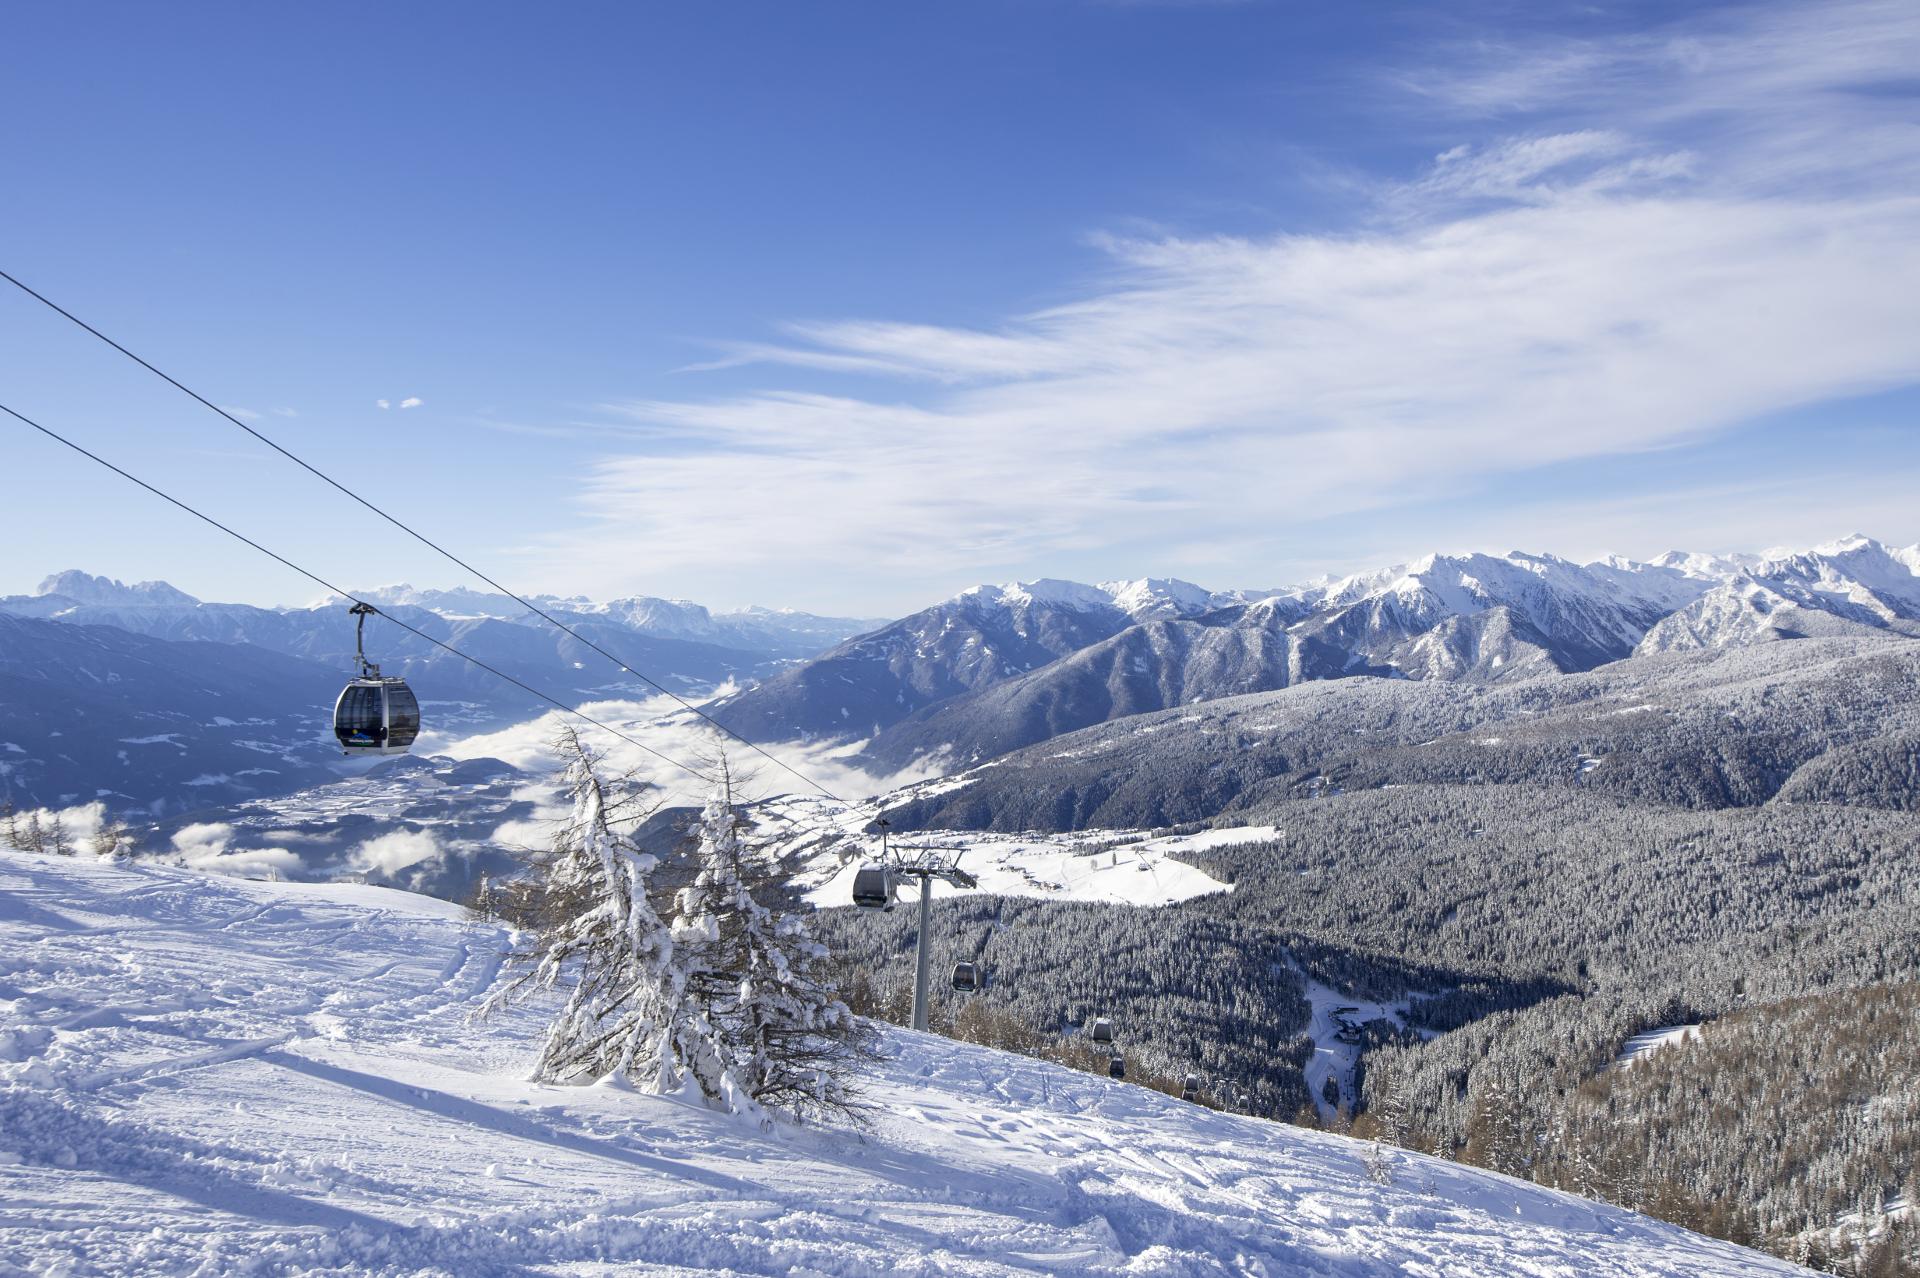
1102, 1031
1117, 1066
873, 887
966, 977
376, 716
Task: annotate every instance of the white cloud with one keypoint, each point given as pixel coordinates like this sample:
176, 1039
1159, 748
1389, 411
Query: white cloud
1545, 167
208, 846
397, 850
285, 412
382, 403
78, 825
412, 401
244, 414
1666, 237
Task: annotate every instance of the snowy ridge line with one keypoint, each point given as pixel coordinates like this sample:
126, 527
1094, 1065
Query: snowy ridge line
420, 1147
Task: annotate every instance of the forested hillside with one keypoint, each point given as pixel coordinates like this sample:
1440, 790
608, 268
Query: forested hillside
1532, 875
1729, 727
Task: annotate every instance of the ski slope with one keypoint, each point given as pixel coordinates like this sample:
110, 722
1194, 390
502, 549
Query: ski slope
203, 1075
1051, 867
1113, 867
1642, 1045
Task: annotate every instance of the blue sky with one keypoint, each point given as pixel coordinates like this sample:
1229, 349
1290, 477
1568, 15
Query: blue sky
850, 306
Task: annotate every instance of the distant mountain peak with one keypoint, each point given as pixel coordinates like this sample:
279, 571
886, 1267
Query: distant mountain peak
1143, 598
1847, 545
86, 588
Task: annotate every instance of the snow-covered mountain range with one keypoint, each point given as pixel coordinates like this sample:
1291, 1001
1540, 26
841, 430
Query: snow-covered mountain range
159, 609
780, 632
131, 691
990, 670
996, 668
977, 639
284, 1078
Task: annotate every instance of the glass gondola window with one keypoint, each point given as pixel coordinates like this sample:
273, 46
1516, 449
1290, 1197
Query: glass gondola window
359, 717
403, 715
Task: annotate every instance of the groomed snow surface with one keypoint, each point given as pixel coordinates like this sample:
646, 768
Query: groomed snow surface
209, 1076
1641, 1045
1056, 867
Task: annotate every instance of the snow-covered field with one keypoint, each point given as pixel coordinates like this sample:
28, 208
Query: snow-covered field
1653, 1040
1116, 867
201, 1075
1053, 866
1334, 1027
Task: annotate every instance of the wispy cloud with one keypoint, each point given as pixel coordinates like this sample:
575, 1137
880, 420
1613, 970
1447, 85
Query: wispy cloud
1635, 243
412, 401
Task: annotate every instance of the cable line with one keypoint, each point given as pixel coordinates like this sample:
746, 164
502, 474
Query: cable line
417, 536
315, 577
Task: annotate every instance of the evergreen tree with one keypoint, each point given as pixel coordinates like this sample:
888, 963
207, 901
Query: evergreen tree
789, 1042
113, 840
11, 835
627, 1012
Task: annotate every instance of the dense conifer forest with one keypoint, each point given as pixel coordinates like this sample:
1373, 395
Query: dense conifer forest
1535, 874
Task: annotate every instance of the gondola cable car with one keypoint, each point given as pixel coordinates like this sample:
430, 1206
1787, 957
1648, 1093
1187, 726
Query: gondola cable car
874, 882
873, 887
966, 977
376, 713
1102, 1032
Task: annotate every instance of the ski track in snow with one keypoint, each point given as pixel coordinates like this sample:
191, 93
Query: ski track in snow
201, 1075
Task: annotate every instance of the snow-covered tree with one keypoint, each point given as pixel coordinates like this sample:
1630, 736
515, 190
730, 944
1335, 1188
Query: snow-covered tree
714, 986
789, 1042
596, 925
112, 840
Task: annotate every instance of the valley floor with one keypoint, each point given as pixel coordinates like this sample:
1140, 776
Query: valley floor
206, 1075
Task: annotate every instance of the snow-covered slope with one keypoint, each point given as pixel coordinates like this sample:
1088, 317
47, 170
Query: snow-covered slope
1748, 611
1113, 867
210, 1076
1851, 586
